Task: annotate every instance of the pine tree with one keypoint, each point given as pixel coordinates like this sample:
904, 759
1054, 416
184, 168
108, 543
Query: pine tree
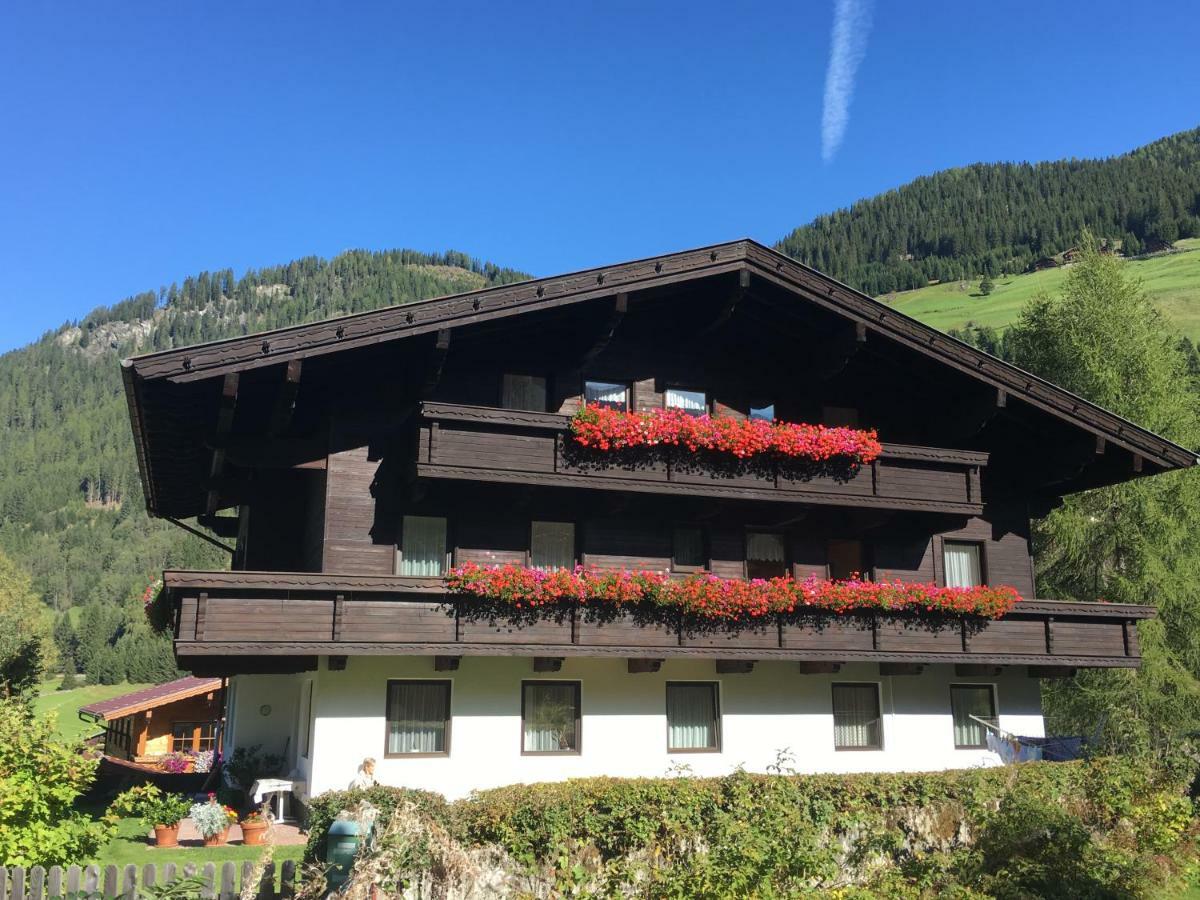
986, 286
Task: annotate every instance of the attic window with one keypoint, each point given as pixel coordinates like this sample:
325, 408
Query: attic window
766, 412
694, 403
608, 394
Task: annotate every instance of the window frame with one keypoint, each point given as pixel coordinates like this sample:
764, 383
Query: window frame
194, 740
875, 748
705, 549
982, 547
578, 685
691, 389
787, 556
575, 558
990, 687
546, 382
718, 730
449, 717
628, 385
447, 550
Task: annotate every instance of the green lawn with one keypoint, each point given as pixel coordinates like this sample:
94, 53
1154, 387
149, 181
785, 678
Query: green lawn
131, 845
1171, 281
65, 704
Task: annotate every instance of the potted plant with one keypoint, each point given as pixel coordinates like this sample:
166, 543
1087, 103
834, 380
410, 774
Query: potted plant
212, 820
255, 825
156, 810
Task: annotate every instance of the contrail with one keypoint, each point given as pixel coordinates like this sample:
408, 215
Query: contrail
851, 23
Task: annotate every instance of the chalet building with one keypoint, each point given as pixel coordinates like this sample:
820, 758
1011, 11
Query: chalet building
144, 726
367, 458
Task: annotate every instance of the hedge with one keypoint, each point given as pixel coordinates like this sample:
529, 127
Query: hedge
1096, 829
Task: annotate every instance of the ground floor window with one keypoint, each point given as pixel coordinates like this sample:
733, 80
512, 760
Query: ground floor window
196, 737
418, 718
550, 717
693, 716
856, 720
970, 703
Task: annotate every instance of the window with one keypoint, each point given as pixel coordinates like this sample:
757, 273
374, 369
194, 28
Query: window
839, 416
765, 557
963, 564
766, 412
856, 722
194, 736
969, 702
608, 394
418, 718
524, 392
423, 547
550, 720
845, 560
552, 545
306, 717
687, 548
694, 403
693, 717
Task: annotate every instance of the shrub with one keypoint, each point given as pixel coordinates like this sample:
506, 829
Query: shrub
323, 809
41, 777
151, 805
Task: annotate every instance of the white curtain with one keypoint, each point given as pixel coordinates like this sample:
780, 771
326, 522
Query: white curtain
962, 565
552, 545
524, 392
549, 722
606, 393
764, 547
967, 701
856, 716
423, 551
691, 716
417, 717
694, 402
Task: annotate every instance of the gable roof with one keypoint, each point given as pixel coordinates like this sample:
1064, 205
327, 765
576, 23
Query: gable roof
151, 697
271, 348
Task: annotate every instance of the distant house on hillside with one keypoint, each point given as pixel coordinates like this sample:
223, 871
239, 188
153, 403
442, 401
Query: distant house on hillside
1046, 262
181, 717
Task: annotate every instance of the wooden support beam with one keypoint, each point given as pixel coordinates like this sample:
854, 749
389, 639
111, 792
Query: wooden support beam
730, 305
1050, 671
620, 307
285, 400
547, 663
972, 419
337, 663
1137, 464
225, 413
437, 361
835, 354
969, 670
895, 668
735, 666
818, 668
640, 666
221, 526
446, 663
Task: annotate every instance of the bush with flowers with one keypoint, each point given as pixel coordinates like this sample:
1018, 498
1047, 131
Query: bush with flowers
211, 818
709, 597
155, 606
613, 431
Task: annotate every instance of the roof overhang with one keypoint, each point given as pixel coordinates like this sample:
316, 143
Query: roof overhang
150, 698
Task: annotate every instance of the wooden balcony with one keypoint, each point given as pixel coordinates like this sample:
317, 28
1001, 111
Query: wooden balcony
230, 622
478, 443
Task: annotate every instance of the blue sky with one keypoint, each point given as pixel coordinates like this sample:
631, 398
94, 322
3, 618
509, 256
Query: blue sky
146, 141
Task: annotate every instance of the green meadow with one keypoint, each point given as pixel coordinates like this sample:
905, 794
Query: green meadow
1172, 281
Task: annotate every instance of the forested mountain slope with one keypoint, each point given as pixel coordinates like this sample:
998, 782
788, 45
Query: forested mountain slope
999, 218
71, 510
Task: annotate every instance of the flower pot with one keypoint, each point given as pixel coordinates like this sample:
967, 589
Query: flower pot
254, 833
217, 840
166, 835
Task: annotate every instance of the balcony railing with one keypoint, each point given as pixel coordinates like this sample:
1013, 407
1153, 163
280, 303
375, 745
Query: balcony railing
480, 443
253, 616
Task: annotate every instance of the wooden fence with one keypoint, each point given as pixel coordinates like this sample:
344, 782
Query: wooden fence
131, 883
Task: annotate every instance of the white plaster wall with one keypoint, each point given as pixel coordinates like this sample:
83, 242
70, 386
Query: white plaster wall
276, 731
772, 709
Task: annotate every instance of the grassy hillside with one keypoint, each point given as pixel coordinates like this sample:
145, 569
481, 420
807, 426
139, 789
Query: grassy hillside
1172, 282
65, 704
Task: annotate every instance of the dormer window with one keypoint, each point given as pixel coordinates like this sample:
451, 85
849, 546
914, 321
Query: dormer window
694, 403
524, 392
608, 394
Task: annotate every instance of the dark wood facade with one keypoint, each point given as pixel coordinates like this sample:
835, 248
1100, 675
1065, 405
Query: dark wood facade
325, 437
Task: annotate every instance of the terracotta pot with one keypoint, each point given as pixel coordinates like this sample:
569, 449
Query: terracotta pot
254, 833
166, 835
218, 839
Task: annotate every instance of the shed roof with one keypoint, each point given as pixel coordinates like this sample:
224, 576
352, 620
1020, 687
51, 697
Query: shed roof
151, 697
